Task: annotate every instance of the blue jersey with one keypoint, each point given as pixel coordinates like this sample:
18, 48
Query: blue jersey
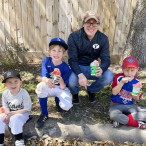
125, 96
48, 67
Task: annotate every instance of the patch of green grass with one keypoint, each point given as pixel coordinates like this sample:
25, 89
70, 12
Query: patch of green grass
104, 96
30, 86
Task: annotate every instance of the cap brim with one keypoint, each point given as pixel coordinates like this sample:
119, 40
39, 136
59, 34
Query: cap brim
128, 66
59, 43
91, 17
4, 81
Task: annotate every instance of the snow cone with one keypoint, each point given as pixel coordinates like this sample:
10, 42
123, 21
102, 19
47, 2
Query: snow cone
136, 89
94, 65
54, 75
2, 110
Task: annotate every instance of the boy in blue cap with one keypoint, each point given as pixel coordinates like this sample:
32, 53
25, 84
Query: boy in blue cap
47, 87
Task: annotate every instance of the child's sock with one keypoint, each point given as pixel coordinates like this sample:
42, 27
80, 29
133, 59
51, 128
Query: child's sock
57, 100
131, 121
1, 138
18, 136
44, 105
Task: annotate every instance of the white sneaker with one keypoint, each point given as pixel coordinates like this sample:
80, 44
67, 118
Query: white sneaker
141, 125
19, 142
1, 144
115, 124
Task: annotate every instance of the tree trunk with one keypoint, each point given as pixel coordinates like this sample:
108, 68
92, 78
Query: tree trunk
136, 42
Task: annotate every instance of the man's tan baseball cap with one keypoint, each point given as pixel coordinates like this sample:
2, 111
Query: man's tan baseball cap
91, 15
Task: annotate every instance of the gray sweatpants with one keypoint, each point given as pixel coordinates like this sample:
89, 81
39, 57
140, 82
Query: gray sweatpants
118, 112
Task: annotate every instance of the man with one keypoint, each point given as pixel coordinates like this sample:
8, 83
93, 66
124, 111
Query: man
84, 46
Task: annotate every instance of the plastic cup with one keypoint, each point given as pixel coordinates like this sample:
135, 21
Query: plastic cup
93, 70
135, 90
55, 78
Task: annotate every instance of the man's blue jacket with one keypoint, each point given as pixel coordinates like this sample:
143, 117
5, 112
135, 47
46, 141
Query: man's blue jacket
82, 51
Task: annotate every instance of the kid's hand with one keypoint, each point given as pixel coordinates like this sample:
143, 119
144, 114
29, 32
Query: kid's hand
8, 115
59, 79
51, 83
6, 118
11, 113
138, 97
125, 79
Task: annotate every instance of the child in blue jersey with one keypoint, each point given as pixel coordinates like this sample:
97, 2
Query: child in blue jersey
47, 88
123, 108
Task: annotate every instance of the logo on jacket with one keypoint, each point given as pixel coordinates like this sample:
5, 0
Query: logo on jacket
95, 46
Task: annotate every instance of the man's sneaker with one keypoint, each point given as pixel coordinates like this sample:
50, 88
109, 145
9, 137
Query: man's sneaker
75, 99
19, 142
40, 122
141, 125
91, 97
115, 124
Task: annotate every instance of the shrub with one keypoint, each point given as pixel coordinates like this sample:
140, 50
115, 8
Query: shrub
12, 55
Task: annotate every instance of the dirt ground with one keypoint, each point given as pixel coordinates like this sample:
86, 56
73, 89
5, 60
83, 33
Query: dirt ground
85, 113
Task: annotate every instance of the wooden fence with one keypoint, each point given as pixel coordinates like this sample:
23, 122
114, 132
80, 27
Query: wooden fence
32, 23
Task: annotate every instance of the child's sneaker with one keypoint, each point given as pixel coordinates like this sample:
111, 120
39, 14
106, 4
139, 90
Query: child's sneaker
141, 125
19, 142
115, 124
40, 122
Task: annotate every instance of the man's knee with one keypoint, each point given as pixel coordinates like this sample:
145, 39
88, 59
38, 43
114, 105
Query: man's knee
108, 77
73, 80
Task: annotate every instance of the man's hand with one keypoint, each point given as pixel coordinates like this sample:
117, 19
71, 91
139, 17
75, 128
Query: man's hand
98, 72
83, 80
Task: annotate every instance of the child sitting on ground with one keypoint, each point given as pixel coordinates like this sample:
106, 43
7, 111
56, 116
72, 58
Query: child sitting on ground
54, 85
123, 108
16, 104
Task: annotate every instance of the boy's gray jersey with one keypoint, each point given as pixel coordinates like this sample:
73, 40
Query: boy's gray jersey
16, 102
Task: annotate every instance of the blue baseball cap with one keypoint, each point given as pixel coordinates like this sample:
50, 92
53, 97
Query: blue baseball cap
58, 41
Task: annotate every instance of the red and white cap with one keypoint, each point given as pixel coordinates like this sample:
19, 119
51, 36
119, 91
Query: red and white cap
130, 62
